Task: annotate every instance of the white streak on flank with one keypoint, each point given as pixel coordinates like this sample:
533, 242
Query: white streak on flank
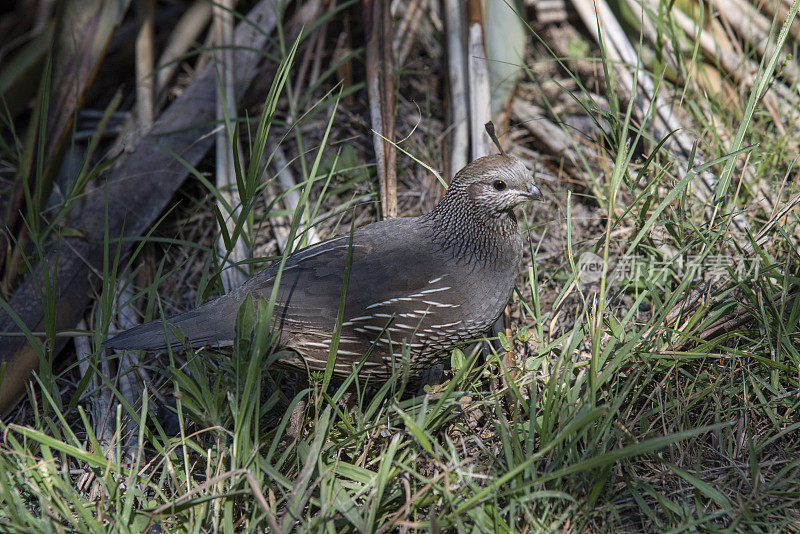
327, 343
435, 280
386, 315
444, 325
390, 301
349, 353
423, 312
440, 305
360, 330
347, 323
436, 290
401, 325
408, 315
362, 318
371, 327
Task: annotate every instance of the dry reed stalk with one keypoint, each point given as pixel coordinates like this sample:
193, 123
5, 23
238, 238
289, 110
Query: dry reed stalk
145, 58
188, 29
457, 82
345, 69
380, 90
230, 205
753, 27
480, 101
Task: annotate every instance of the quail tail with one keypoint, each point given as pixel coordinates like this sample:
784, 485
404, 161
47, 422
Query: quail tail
204, 326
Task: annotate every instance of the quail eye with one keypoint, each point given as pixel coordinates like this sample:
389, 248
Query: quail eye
499, 185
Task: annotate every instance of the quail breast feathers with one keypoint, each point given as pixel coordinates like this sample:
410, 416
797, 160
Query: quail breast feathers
428, 283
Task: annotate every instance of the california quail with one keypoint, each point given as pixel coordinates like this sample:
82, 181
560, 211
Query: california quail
428, 282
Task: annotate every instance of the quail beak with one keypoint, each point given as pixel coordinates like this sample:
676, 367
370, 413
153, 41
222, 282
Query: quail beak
534, 193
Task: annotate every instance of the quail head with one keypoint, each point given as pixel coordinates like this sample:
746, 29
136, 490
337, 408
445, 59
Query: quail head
427, 283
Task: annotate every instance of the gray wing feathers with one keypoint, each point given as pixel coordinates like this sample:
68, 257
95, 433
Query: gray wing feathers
311, 284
